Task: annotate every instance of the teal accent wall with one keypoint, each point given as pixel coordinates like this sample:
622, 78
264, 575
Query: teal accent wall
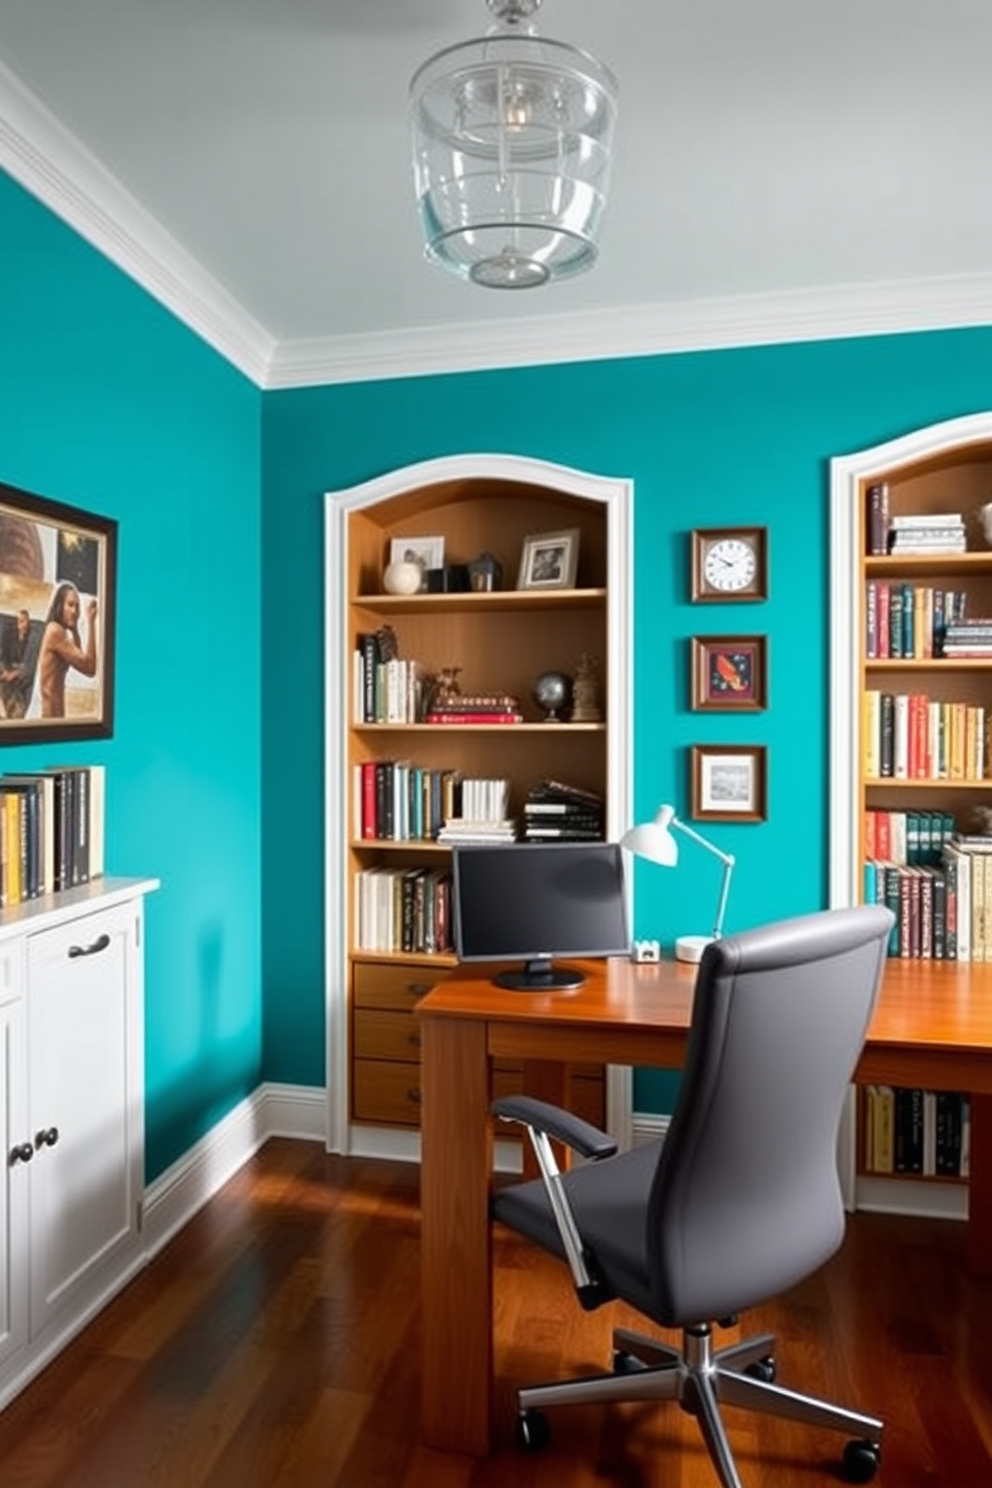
741, 436
109, 403
215, 769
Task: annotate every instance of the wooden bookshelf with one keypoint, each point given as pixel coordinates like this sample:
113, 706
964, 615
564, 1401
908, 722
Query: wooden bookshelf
501, 641
943, 470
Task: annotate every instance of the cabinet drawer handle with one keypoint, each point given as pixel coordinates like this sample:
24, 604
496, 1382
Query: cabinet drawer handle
414, 1039
414, 1095
46, 1138
418, 989
22, 1153
100, 944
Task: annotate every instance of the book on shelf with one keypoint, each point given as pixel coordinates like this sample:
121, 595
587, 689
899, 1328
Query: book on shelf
877, 518
464, 830
472, 716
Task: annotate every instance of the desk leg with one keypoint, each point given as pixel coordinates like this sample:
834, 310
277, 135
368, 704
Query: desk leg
980, 1187
456, 1260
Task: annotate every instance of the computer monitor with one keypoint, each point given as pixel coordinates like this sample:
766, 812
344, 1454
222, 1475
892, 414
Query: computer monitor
536, 902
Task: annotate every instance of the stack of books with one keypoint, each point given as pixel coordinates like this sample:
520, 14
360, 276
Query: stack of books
490, 707
557, 812
968, 637
484, 818
927, 532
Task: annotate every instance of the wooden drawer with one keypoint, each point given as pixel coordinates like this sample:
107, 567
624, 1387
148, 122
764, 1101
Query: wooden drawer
397, 987
382, 1034
385, 1091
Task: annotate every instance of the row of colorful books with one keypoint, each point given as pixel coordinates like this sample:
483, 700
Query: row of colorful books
909, 621
911, 736
942, 913
51, 831
916, 838
912, 1131
403, 911
398, 801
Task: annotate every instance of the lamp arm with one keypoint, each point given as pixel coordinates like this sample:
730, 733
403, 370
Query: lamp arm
727, 859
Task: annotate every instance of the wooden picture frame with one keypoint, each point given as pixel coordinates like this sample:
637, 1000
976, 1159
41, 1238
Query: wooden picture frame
729, 565
728, 782
549, 560
729, 673
58, 592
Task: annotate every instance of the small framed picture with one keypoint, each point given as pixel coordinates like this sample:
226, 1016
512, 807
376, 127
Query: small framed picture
426, 552
728, 782
549, 560
729, 672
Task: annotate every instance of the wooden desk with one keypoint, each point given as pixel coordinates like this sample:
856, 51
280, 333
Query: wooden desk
932, 1028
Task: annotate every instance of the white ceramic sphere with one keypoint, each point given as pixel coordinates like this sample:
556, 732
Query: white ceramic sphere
402, 577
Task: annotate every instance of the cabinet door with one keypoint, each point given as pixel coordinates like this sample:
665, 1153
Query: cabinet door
13, 1180
84, 1103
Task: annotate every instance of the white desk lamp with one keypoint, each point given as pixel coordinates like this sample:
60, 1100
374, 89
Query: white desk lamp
654, 840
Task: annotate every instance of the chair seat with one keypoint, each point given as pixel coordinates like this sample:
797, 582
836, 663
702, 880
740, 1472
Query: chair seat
607, 1199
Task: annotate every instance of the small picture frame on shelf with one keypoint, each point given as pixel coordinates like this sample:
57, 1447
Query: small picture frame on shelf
426, 552
58, 585
549, 560
728, 782
729, 673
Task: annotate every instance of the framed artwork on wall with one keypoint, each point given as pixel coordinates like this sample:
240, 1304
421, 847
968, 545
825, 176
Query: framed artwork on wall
728, 782
729, 672
58, 581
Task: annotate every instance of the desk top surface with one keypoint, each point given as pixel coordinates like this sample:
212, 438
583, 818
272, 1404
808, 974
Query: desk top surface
922, 1004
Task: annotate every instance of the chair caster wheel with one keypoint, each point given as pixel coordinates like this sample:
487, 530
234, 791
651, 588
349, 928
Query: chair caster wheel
860, 1461
533, 1431
762, 1369
626, 1363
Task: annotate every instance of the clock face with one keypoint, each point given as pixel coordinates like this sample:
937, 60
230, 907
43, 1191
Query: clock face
729, 563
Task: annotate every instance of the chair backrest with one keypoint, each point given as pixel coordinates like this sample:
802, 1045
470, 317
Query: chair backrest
746, 1198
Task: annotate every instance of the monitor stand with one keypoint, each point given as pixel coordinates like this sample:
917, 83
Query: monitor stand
540, 975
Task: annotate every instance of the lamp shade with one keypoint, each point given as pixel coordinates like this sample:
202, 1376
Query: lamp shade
512, 137
654, 840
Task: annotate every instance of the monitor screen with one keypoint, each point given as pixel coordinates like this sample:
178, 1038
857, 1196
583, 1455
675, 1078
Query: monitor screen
536, 902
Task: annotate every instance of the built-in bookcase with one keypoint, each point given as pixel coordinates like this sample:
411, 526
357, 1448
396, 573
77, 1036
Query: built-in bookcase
500, 640
910, 763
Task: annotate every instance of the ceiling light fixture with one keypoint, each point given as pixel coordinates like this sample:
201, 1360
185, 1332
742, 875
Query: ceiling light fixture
512, 145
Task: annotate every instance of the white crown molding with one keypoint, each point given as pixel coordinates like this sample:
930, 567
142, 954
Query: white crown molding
41, 154
641, 330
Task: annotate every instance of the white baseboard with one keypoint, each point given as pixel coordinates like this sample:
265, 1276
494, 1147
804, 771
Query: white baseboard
174, 1196
300, 1111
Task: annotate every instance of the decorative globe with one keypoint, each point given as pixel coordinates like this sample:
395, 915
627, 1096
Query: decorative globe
552, 691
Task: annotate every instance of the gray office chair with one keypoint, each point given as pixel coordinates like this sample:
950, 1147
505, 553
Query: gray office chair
740, 1201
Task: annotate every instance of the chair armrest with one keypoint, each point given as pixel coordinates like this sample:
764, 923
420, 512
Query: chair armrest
581, 1136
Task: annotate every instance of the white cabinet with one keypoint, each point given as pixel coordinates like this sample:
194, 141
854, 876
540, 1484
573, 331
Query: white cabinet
72, 1115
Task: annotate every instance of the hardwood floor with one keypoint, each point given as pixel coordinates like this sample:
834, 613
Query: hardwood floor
274, 1344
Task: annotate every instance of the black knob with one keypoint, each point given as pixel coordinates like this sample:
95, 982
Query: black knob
24, 1152
46, 1138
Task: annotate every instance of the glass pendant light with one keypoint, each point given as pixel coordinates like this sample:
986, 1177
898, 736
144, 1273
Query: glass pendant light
512, 144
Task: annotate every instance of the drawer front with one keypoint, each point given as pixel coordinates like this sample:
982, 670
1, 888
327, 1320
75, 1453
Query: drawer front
386, 1092
386, 1035
394, 987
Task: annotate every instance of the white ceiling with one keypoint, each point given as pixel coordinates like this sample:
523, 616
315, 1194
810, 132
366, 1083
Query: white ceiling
784, 167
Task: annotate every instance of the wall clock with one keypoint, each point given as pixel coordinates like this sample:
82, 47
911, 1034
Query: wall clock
729, 563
